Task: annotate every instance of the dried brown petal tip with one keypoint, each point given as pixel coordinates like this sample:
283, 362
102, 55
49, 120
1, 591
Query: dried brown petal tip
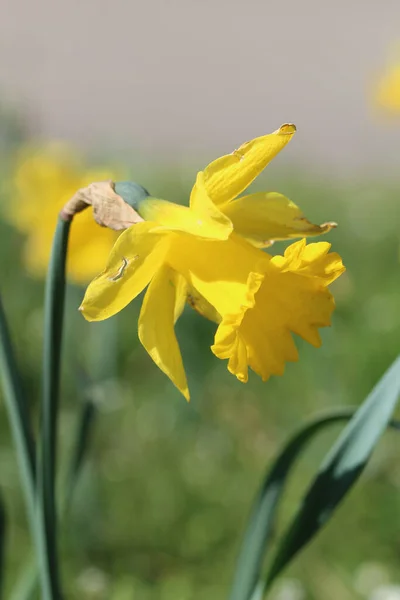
329, 225
109, 209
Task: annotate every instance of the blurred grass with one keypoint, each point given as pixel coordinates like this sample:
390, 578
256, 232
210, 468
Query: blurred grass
162, 502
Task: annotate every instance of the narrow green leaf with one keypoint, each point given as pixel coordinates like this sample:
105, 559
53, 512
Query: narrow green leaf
262, 517
341, 468
3, 533
258, 592
80, 447
19, 417
26, 584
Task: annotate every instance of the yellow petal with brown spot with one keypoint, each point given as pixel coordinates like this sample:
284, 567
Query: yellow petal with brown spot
135, 258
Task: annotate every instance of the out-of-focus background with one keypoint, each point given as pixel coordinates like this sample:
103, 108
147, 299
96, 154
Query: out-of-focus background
152, 92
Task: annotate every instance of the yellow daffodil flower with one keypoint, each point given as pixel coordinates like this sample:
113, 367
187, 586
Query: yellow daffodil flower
387, 87
208, 255
45, 179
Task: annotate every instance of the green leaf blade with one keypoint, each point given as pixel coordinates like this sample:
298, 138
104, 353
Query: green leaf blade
341, 467
3, 533
263, 515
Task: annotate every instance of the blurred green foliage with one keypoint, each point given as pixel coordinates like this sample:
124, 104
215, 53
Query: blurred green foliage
160, 507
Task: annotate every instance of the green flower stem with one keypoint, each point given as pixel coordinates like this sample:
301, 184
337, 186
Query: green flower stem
19, 417
26, 585
47, 451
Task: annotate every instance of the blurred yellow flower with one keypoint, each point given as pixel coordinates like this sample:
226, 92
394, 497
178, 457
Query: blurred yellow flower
387, 91
45, 178
208, 255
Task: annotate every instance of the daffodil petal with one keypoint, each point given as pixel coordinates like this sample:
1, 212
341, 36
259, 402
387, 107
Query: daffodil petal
290, 296
216, 270
136, 256
267, 216
227, 177
161, 306
204, 207
202, 306
182, 218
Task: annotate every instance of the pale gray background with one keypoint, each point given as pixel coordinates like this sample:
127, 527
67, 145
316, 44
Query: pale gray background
199, 77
